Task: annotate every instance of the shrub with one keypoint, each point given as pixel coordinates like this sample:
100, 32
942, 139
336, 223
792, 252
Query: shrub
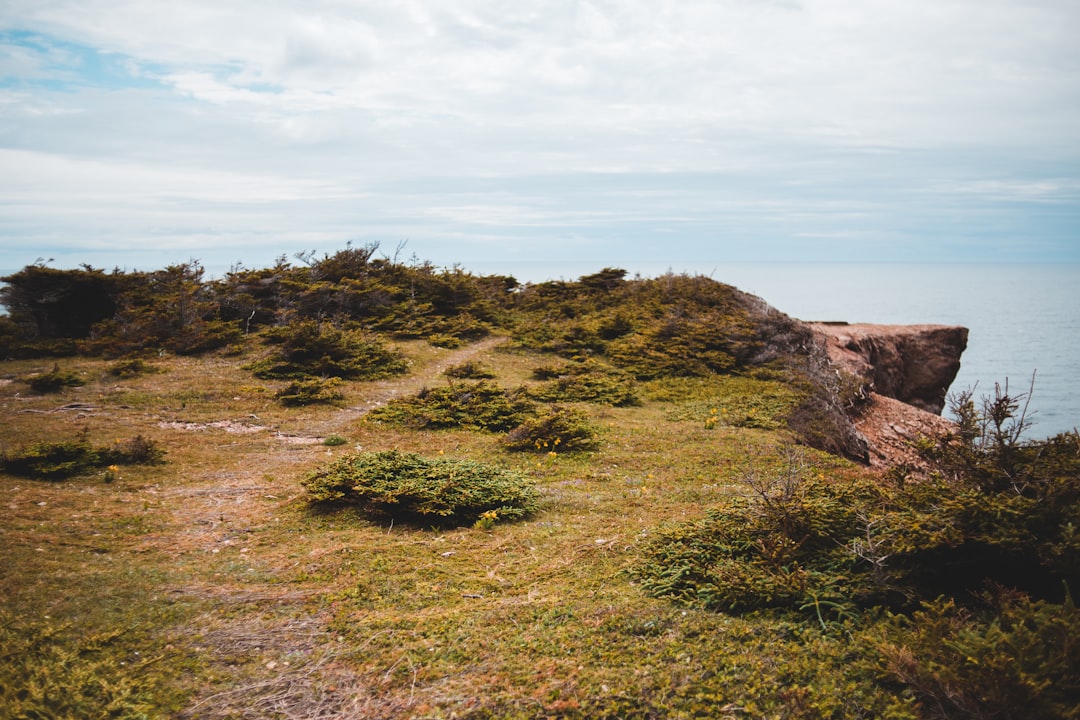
54, 381
315, 391
334, 441
1015, 658
133, 367
585, 382
471, 406
410, 487
310, 349
68, 458
1000, 513
470, 370
449, 342
136, 451
54, 461
558, 430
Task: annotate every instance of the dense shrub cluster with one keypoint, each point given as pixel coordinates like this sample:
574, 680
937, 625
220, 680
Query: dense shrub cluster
559, 429
68, 458
315, 391
55, 312
976, 561
429, 491
54, 381
50, 670
327, 315
480, 405
588, 381
488, 407
309, 349
470, 370
674, 325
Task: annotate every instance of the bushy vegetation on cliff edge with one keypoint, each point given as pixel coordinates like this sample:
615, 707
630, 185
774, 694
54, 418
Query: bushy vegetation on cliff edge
783, 582
958, 585
314, 314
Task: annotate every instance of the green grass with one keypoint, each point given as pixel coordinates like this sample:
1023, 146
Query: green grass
210, 587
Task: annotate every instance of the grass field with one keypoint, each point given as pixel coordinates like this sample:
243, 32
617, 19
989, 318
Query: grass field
208, 587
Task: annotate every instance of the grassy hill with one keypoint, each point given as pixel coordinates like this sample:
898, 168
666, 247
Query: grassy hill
361, 488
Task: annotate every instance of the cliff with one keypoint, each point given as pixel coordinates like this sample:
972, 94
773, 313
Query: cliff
914, 364
907, 371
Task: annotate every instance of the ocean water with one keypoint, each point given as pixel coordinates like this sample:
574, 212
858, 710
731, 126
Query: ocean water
1023, 319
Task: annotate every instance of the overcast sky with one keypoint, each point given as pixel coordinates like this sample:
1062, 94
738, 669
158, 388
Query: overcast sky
539, 138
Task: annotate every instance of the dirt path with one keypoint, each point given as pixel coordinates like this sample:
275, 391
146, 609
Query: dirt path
225, 517
384, 391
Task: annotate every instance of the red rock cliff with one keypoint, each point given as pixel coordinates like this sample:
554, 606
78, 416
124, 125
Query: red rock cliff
908, 369
914, 364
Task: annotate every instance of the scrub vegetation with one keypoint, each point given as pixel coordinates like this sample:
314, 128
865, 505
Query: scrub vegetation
351, 486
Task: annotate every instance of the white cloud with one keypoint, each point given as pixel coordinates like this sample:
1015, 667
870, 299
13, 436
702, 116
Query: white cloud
703, 113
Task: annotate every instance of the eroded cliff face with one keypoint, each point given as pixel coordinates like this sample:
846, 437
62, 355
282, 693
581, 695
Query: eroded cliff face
914, 364
907, 370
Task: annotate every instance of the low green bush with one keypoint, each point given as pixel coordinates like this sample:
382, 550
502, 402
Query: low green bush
310, 349
428, 491
1012, 658
54, 381
584, 382
960, 581
69, 458
52, 670
131, 368
314, 391
470, 370
471, 406
559, 429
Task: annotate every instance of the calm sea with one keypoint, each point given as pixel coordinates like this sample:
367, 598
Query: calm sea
1023, 319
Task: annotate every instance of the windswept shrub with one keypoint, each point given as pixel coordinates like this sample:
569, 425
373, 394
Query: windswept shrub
977, 561
138, 450
470, 370
133, 367
311, 349
68, 458
315, 391
585, 382
428, 491
784, 545
54, 460
471, 406
560, 429
1013, 658
54, 381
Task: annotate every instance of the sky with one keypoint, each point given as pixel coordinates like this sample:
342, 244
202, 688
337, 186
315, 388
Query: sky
541, 139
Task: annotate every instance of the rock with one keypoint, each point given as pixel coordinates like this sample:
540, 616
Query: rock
914, 364
891, 428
